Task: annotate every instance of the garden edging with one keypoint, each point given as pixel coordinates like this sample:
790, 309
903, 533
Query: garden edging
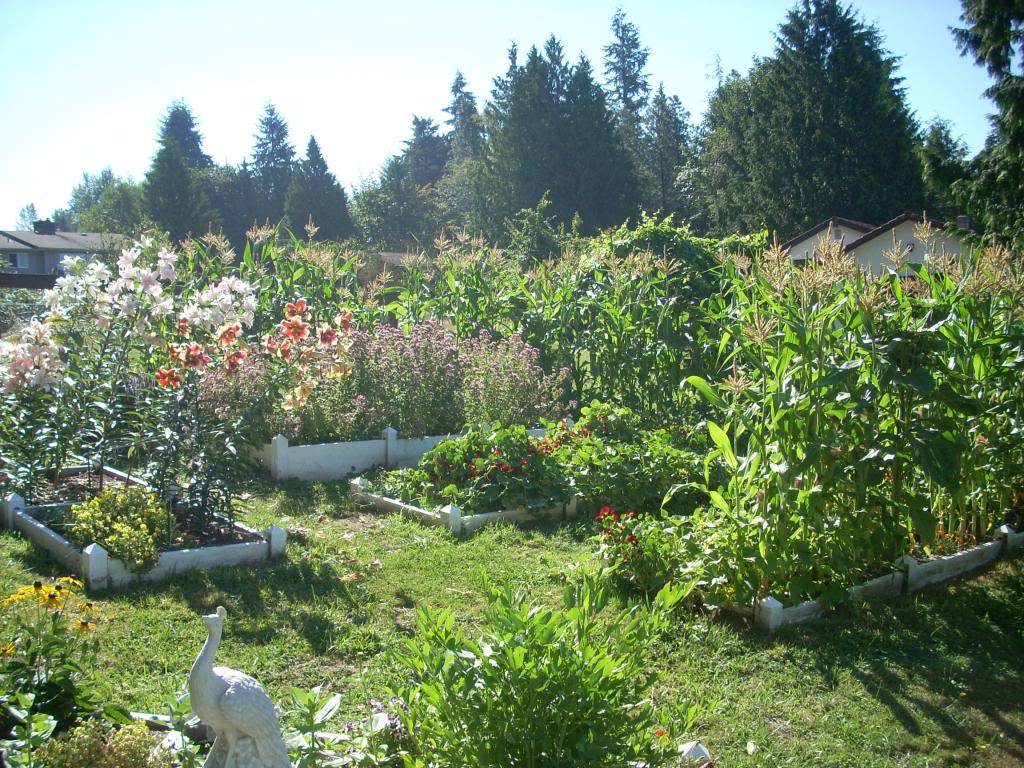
450, 516
100, 571
909, 575
336, 461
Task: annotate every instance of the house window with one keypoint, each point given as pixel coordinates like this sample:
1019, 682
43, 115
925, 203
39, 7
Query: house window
18, 260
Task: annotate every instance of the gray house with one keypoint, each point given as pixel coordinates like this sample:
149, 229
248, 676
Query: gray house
41, 251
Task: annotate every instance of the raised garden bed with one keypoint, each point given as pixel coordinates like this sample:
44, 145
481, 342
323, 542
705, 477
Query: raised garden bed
224, 542
336, 461
453, 518
909, 575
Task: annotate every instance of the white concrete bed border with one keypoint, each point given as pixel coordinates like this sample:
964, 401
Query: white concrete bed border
450, 516
101, 571
909, 575
336, 461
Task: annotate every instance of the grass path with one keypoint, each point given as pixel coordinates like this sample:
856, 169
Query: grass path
931, 680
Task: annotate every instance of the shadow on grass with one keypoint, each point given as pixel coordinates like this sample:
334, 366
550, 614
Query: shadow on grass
919, 654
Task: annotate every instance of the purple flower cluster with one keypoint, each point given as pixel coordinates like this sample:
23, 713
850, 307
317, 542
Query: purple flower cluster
428, 382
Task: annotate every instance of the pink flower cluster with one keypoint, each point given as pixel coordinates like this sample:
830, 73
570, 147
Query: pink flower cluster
33, 361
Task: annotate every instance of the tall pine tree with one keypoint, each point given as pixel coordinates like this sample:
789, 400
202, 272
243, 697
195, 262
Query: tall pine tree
820, 129
666, 136
174, 199
272, 163
179, 126
314, 193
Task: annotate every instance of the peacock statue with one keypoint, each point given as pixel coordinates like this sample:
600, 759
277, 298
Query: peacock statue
236, 707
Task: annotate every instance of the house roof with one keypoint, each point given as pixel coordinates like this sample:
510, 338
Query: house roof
60, 242
860, 226
883, 228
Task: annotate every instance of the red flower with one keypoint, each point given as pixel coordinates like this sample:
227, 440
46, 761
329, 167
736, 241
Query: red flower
271, 343
168, 377
235, 358
328, 336
284, 350
505, 467
229, 333
195, 357
523, 461
298, 309
183, 327
295, 329
607, 512
346, 320
174, 352
631, 514
659, 732
631, 539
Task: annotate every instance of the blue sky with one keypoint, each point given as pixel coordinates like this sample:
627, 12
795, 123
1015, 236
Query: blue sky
86, 82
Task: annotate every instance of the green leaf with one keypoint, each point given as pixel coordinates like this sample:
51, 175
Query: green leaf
705, 389
721, 439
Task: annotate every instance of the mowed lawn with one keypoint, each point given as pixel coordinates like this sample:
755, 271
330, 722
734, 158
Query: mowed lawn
931, 680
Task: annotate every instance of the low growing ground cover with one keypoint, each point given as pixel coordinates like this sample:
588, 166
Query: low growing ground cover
930, 680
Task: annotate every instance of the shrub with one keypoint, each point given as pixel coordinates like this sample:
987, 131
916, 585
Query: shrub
92, 744
124, 521
420, 382
539, 687
46, 649
643, 552
482, 470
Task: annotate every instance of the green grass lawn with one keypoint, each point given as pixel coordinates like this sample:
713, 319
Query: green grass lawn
931, 680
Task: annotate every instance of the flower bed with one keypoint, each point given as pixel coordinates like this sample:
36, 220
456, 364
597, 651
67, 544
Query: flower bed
452, 518
335, 461
100, 570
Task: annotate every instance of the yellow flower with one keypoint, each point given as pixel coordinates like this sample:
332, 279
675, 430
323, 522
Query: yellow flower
83, 626
7, 649
71, 581
88, 607
52, 600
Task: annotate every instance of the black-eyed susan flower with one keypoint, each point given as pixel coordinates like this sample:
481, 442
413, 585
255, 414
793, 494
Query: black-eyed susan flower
83, 626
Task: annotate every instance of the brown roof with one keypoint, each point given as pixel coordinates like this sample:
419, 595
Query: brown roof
60, 242
883, 228
860, 226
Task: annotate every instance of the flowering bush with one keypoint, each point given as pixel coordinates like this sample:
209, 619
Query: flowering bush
92, 744
644, 551
423, 382
45, 652
482, 470
126, 522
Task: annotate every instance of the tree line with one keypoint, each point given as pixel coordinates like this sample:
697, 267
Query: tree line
822, 127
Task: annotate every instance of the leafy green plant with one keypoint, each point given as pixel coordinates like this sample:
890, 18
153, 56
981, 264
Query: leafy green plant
93, 744
127, 522
644, 552
46, 652
485, 469
540, 686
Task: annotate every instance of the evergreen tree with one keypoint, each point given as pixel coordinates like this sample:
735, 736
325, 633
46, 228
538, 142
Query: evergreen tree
393, 213
666, 137
272, 163
550, 131
994, 36
426, 153
628, 90
820, 129
624, 62
179, 126
465, 134
943, 163
315, 192
174, 199
232, 194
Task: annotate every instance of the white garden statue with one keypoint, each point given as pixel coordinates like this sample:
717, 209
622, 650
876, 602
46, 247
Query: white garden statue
237, 708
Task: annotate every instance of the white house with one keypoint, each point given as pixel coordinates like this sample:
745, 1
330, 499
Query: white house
41, 251
869, 244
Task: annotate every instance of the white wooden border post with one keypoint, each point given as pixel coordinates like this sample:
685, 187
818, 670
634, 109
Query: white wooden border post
390, 438
10, 507
453, 515
279, 457
95, 567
